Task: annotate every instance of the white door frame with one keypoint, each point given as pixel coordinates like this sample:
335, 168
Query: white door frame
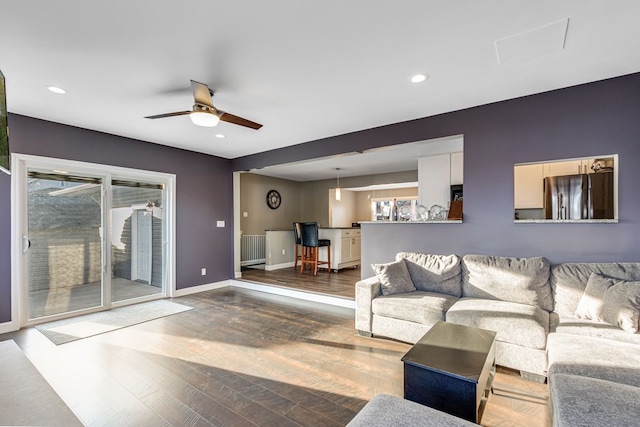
19, 227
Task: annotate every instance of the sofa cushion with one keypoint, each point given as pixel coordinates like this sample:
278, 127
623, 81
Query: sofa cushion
584, 401
569, 280
521, 280
519, 324
419, 306
591, 328
594, 357
385, 410
433, 273
394, 277
612, 301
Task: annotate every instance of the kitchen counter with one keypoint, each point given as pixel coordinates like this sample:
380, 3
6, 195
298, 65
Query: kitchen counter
565, 221
320, 228
443, 221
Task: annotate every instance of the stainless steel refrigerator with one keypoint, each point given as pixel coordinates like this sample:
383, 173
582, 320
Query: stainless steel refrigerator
584, 196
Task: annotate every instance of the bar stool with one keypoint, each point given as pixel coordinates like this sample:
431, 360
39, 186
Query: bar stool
298, 240
311, 247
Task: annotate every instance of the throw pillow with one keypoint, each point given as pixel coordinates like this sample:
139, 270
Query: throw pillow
612, 301
394, 278
433, 273
520, 280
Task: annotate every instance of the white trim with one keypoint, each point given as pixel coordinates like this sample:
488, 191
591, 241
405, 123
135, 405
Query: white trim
237, 232
20, 162
279, 266
203, 288
292, 293
9, 327
18, 189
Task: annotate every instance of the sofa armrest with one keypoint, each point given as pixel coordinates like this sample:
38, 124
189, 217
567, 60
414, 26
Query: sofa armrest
366, 291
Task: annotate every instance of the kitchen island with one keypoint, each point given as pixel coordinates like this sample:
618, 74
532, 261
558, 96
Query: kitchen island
345, 247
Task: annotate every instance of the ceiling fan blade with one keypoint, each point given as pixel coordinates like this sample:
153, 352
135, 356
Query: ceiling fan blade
201, 93
162, 116
230, 118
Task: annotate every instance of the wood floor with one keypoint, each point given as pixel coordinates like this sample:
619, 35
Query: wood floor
243, 358
340, 284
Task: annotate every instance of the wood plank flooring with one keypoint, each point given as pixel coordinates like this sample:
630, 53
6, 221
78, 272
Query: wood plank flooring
243, 358
340, 284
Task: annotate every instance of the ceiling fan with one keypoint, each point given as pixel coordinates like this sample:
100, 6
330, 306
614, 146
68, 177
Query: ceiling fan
204, 113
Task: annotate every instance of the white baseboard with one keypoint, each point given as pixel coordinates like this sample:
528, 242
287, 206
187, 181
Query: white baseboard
278, 266
202, 288
8, 327
292, 293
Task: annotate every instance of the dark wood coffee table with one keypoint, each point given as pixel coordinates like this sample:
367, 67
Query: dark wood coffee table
451, 369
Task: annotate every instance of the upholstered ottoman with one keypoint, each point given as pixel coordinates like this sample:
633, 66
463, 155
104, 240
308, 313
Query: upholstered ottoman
594, 357
584, 401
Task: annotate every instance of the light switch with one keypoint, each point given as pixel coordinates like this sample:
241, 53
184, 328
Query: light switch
220, 224
245, 214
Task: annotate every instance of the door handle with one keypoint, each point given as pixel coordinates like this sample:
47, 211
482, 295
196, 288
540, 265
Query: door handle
26, 243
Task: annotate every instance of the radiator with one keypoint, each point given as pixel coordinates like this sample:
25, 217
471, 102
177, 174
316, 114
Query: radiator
252, 249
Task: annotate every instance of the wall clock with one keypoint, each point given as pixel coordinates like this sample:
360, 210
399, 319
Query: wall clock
273, 199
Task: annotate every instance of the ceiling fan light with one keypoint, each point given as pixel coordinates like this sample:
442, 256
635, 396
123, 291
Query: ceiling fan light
204, 118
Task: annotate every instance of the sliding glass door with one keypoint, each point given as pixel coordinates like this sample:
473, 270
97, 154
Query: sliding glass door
90, 237
64, 243
137, 236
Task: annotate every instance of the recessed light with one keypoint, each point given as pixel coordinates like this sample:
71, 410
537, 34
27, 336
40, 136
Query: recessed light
418, 78
56, 89
219, 135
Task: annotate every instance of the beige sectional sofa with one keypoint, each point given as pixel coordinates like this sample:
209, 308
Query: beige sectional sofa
573, 323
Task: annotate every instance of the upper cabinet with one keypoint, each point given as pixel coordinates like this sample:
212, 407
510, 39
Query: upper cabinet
436, 175
457, 174
528, 186
434, 180
570, 167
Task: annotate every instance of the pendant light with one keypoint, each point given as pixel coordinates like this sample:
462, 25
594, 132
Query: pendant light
338, 187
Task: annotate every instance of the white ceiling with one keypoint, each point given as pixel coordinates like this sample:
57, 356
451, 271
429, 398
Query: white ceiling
305, 70
393, 158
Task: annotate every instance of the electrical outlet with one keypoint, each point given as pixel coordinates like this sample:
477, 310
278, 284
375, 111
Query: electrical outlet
204, 271
245, 214
284, 252
220, 224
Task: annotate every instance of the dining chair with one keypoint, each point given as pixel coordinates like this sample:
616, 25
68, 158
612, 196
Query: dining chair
311, 245
298, 241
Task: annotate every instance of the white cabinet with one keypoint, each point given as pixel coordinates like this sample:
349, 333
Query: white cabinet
434, 180
570, 167
457, 162
528, 186
345, 246
350, 246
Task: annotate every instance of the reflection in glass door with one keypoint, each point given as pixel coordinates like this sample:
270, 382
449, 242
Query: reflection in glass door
137, 236
64, 243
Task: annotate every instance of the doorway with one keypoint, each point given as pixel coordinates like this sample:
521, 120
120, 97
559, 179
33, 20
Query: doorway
89, 237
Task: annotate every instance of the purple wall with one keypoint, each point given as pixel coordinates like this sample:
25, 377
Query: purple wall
587, 120
204, 194
5, 247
